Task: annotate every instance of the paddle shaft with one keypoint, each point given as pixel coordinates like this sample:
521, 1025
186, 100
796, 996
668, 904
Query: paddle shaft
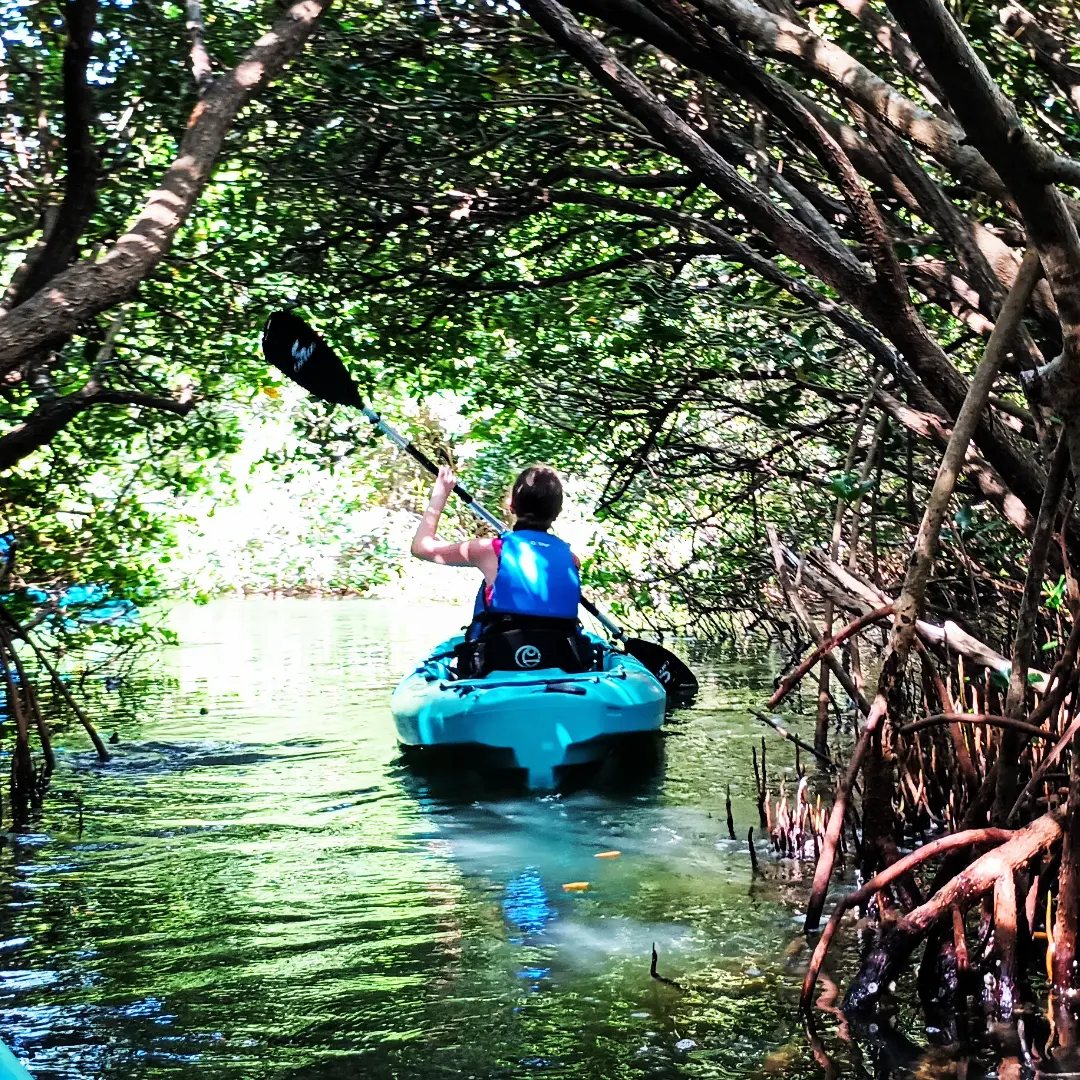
469, 499
417, 454
300, 354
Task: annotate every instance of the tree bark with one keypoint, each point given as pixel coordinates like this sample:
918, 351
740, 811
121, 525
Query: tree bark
1065, 962
905, 865
1008, 762
992, 125
878, 826
81, 160
54, 414
896, 944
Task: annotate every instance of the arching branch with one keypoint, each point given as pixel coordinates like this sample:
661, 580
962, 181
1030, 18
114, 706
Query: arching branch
54, 414
87, 288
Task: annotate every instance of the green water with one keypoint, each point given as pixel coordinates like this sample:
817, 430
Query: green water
257, 887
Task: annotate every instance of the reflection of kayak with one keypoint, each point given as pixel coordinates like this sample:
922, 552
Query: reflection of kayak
541, 720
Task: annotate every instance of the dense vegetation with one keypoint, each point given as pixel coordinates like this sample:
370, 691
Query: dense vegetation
734, 265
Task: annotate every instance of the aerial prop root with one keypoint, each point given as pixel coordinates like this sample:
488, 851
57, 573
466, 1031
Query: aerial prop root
22, 707
11, 628
791, 681
882, 965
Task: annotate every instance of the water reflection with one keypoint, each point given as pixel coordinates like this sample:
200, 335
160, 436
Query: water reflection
259, 888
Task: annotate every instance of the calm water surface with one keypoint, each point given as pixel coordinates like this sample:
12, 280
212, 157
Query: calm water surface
257, 887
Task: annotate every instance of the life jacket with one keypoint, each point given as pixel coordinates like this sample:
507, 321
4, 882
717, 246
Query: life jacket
537, 576
527, 618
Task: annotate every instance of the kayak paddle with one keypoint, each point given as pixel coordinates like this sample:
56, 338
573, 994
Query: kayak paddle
302, 355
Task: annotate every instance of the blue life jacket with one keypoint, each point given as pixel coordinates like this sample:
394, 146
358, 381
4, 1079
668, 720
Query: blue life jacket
536, 576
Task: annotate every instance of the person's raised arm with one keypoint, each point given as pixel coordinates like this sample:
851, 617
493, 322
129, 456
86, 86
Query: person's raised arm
427, 546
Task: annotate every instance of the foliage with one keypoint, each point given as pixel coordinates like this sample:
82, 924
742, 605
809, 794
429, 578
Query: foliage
464, 210
730, 265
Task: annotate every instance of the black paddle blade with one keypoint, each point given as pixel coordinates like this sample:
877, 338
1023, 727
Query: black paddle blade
297, 351
675, 677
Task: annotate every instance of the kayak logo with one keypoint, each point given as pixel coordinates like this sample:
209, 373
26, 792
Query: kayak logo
301, 354
664, 674
527, 656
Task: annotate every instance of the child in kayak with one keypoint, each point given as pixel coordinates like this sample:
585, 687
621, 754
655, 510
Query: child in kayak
527, 605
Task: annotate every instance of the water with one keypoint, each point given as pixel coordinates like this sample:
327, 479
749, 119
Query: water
256, 887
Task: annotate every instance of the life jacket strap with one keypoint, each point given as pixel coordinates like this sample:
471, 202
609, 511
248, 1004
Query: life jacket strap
526, 650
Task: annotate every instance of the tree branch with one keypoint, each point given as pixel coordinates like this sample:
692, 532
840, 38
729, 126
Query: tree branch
200, 59
89, 287
82, 168
1049, 53
53, 415
992, 125
943, 844
843, 272
897, 943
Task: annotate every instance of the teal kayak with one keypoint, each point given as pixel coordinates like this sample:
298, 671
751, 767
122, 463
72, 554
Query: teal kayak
10, 1067
540, 721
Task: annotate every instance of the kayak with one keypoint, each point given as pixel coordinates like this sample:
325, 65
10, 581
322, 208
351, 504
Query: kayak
10, 1066
540, 722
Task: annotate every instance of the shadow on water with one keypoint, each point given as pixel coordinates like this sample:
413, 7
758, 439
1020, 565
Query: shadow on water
258, 887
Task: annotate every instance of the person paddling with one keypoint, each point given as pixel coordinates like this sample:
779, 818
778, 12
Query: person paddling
532, 588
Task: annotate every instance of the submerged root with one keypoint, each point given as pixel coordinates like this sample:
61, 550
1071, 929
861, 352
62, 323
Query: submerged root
897, 942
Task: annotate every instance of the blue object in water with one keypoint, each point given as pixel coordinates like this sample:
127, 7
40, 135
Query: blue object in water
526, 904
7, 549
541, 720
10, 1066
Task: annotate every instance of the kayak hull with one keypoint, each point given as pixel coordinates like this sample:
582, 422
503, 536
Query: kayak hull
542, 722
10, 1066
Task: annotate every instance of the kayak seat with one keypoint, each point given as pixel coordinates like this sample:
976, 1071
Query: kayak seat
525, 649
